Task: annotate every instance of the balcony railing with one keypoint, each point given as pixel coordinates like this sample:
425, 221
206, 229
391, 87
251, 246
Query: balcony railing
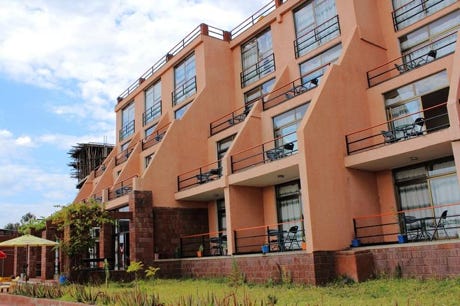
97, 198
279, 237
414, 59
270, 151
428, 120
99, 170
210, 244
253, 19
201, 29
123, 156
152, 113
416, 10
202, 175
323, 33
418, 224
127, 130
122, 188
155, 137
229, 120
184, 91
260, 69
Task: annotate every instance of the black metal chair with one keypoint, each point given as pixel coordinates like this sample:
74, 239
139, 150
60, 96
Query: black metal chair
417, 127
412, 227
291, 238
440, 225
389, 136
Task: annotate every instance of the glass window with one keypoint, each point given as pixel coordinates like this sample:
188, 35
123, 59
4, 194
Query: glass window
311, 68
181, 111
257, 58
289, 207
152, 103
285, 125
222, 147
259, 91
124, 146
407, 12
150, 130
427, 186
127, 121
184, 79
148, 158
315, 25
221, 216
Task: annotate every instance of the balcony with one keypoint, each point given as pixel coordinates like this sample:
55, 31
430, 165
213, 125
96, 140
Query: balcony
412, 225
323, 33
206, 244
229, 120
267, 152
416, 10
151, 113
415, 59
123, 156
260, 69
126, 131
183, 91
199, 176
424, 122
122, 188
155, 137
99, 170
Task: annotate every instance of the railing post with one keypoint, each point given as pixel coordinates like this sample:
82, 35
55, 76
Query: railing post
354, 228
178, 183
181, 244
346, 143
231, 163
235, 239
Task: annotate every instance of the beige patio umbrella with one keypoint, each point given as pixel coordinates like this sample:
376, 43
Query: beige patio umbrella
27, 241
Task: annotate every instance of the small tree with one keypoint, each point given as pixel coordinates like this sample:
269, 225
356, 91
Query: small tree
134, 267
79, 219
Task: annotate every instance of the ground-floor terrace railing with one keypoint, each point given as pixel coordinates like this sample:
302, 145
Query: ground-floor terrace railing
428, 120
414, 59
155, 137
198, 176
203, 244
266, 152
121, 188
410, 225
278, 237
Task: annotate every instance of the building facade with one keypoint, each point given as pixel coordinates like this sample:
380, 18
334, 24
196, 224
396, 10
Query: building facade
310, 126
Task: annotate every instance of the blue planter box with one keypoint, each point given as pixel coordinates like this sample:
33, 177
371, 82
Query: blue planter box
402, 238
355, 243
265, 249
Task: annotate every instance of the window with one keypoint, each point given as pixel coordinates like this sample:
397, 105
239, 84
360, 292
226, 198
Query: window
289, 207
222, 147
285, 126
414, 98
255, 93
152, 103
313, 69
181, 111
147, 160
221, 218
124, 146
407, 12
150, 130
315, 25
184, 80
429, 185
439, 35
257, 58
127, 122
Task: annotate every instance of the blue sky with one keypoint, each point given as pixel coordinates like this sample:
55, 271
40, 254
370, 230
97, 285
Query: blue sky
62, 65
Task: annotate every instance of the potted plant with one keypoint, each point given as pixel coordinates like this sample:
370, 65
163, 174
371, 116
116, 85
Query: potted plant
304, 242
199, 253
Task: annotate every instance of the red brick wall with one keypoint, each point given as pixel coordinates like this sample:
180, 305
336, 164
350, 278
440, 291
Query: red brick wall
141, 227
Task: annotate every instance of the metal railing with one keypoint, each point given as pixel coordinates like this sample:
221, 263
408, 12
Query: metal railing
155, 137
323, 33
269, 151
253, 19
99, 170
123, 156
411, 60
278, 237
152, 113
127, 130
183, 91
432, 119
199, 176
229, 120
122, 188
260, 69
209, 244
418, 224
416, 10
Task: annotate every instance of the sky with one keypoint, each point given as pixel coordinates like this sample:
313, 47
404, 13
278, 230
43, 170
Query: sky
62, 65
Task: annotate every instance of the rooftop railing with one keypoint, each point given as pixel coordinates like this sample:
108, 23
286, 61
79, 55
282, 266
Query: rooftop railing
199, 176
428, 120
155, 137
414, 59
278, 237
269, 151
122, 188
260, 69
123, 156
323, 33
416, 10
209, 244
410, 225
253, 19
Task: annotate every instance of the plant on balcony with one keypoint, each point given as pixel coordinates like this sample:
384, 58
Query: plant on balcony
199, 253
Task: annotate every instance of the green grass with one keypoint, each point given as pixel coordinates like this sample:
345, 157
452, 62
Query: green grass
375, 292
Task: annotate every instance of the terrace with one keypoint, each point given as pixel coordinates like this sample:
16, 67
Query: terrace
199, 176
155, 137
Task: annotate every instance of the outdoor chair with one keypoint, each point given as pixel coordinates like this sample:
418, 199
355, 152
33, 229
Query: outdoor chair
440, 225
412, 227
291, 238
417, 127
389, 136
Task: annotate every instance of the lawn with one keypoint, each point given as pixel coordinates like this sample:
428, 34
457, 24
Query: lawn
374, 292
